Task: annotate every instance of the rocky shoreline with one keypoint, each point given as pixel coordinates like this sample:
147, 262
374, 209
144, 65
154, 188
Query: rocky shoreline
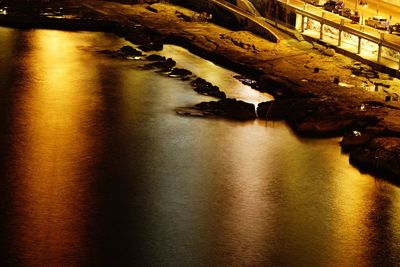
318, 94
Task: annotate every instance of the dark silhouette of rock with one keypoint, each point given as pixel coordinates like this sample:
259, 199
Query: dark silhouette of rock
152, 9
355, 138
323, 127
214, 93
229, 108
152, 46
155, 58
203, 87
130, 51
279, 109
316, 117
263, 109
138, 35
359, 69
165, 65
170, 62
178, 72
381, 156
248, 81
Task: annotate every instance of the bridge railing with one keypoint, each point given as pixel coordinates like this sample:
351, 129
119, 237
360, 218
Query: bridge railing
374, 37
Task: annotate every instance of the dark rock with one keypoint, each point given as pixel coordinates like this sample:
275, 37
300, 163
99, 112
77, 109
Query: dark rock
199, 82
214, 93
336, 80
374, 103
201, 86
152, 9
170, 62
165, 65
263, 109
364, 71
138, 35
323, 127
316, 70
381, 156
178, 72
152, 46
284, 109
229, 108
317, 117
155, 58
354, 138
183, 16
333, 124
130, 51
248, 81
280, 87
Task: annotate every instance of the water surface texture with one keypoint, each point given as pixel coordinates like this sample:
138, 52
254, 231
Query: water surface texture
97, 169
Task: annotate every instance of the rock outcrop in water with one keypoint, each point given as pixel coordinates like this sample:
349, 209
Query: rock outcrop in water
380, 155
206, 88
179, 72
317, 117
228, 108
130, 51
163, 64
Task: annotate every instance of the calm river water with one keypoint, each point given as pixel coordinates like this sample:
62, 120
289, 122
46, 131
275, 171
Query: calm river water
97, 169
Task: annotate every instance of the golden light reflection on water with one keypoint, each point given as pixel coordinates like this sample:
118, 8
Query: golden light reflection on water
215, 74
52, 150
350, 229
364, 219
244, 233
234, 193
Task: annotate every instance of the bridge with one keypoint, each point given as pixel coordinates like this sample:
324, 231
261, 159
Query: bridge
249, 20
362, 41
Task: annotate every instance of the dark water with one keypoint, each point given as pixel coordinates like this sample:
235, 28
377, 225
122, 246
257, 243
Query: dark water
97, 169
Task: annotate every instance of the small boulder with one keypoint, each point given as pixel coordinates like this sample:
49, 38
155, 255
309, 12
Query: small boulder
130, 51
201, 86
178, 72
165, 65
155, 58
229, 108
